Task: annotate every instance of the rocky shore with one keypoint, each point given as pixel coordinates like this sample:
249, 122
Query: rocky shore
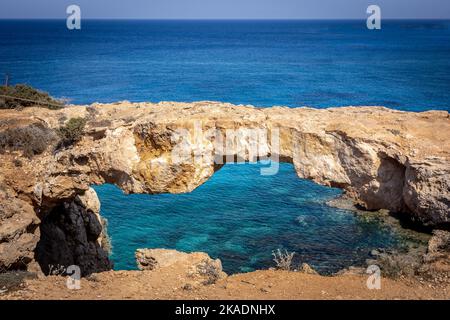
169, 274
49, 214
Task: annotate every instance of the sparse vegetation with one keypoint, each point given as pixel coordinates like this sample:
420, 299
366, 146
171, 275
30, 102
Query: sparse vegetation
30, 140
71, 132
396, 264
13, 280
283, 260
209, 270
57, 270
27, 96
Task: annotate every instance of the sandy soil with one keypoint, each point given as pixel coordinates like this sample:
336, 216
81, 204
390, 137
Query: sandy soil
268, 284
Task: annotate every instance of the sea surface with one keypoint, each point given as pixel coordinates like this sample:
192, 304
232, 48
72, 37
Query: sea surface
238, 215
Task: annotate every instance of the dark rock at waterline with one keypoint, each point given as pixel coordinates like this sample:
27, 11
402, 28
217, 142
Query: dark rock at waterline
70, 236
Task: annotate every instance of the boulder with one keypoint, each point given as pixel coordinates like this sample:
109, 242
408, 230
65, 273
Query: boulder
198, 266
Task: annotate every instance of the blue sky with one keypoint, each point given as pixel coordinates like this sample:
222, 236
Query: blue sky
226, 9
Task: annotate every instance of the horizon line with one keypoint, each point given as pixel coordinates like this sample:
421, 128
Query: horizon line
237, 19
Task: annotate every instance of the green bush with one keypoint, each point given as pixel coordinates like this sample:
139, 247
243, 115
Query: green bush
71, 132
26, 92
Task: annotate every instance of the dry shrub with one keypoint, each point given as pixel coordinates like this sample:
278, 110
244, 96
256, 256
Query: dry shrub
283, 260
30, 140
209, 270
396, 264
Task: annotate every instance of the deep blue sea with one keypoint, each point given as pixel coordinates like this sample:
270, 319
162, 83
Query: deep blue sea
238, 215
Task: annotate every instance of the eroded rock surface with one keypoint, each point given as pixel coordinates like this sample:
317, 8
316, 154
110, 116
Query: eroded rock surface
19, 233
198, 267
382, 158
437, 258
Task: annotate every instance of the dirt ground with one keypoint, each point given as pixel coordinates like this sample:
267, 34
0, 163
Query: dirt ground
267, 284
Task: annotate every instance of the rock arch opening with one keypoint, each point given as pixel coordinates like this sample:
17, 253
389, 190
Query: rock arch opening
240, 217
374, 178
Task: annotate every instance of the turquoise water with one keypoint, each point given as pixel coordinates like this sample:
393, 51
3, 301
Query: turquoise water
238, 215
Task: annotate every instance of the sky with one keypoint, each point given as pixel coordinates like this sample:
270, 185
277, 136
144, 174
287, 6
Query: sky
225, 9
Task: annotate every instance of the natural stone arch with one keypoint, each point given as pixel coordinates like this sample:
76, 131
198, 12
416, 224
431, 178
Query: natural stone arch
368, 152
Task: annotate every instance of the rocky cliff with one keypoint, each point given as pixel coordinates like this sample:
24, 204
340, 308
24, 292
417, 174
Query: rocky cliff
383, 159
